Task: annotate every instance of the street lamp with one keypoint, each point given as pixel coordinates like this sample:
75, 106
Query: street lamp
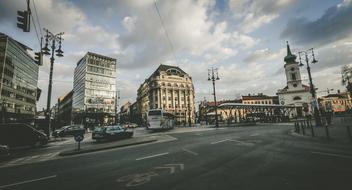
51, 39
213, 76
311, 86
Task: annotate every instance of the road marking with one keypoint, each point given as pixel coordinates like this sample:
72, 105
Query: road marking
28, 181
220, 141
242, 143
253, 135
171, 167
331, 154
152, 156
190, 151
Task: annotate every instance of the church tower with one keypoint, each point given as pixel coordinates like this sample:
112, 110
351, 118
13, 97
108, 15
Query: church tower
293, 74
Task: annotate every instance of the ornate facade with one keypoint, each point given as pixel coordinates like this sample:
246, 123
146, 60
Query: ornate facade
171, 89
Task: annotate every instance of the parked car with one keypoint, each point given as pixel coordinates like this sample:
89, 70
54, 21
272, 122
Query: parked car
19, 134
115, 132
129, 125
4, 151
69, 130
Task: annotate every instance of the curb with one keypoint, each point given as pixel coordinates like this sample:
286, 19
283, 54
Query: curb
82, 151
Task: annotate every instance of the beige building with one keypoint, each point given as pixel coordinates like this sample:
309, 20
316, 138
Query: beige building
340, 102
168, 88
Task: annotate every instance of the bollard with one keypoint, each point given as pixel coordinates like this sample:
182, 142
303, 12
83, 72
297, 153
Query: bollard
327, 131
349, 132
298, 128
303, 128
312, 129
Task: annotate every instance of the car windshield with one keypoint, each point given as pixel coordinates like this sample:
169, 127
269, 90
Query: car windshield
154, 112
99, 129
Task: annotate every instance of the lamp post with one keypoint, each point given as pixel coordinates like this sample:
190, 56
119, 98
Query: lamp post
213, 76
51, 39
311, 85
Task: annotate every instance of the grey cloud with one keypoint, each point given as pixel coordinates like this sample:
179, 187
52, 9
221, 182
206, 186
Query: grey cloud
333, 25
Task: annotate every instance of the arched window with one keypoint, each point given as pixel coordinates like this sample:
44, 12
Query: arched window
297, 98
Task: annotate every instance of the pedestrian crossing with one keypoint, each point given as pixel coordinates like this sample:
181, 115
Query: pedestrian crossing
30, 159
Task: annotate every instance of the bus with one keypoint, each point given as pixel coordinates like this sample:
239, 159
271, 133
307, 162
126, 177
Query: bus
160, 119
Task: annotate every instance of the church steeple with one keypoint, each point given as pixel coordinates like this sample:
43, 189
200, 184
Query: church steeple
289, 57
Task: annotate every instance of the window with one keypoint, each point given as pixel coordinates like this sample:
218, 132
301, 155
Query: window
293, 76
297, 98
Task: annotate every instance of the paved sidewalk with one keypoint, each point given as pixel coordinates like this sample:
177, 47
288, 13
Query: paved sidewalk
340, 130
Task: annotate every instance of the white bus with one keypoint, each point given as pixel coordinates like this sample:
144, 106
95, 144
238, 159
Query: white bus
160, 119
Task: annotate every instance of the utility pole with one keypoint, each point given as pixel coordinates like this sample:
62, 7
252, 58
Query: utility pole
213, 76
311, 85
52, 39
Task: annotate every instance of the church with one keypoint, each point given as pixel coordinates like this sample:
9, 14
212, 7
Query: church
295, 93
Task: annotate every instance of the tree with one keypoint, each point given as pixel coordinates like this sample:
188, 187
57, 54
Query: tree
347, 77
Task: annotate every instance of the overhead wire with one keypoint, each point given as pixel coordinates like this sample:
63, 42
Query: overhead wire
36, 14
165, 31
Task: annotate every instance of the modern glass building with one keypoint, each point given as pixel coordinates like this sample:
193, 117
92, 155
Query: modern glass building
19, 79
94, 90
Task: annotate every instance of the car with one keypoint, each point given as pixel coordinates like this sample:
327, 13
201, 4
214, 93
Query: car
70, 130
4, 151
130, 125
20, 134
114, 132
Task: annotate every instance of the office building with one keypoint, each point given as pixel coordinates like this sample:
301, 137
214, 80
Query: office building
94, 90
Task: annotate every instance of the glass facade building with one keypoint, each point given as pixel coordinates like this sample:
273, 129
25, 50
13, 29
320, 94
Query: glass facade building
94, 90
19, 80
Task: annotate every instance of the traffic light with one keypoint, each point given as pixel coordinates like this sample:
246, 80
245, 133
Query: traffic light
23, 18
38, 58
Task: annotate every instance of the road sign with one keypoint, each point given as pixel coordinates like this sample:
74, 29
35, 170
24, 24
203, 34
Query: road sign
79, 138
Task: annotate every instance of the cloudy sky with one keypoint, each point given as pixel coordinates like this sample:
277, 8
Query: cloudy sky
245, 39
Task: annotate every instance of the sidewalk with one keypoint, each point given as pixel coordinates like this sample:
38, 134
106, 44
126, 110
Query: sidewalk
94, 146
340, 130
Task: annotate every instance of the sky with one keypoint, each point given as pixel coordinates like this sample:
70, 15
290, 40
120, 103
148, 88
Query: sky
244, 39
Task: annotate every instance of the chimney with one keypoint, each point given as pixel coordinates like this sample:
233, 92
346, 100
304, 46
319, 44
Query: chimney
338, 91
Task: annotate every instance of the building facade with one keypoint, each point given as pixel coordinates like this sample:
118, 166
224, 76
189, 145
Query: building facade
295, 93
125, 113
94, 90
64, 115
260, 98
19, 80
338, 103
171, 89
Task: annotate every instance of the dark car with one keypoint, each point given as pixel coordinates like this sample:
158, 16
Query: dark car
115, 132
4, 151
70, 130
19, 134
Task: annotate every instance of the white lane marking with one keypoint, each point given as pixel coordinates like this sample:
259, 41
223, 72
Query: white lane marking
190, 151
242, 143
17, 160
152, 156
331, 154
220, 141
28, 181
253, 135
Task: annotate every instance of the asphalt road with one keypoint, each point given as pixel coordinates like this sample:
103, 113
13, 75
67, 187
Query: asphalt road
261, 157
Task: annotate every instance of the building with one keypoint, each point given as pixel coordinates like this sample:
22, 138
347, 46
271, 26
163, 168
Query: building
338, 103
94, 90
125, 113
260, 98
19, 80
168, 88
295, 93
64, 115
